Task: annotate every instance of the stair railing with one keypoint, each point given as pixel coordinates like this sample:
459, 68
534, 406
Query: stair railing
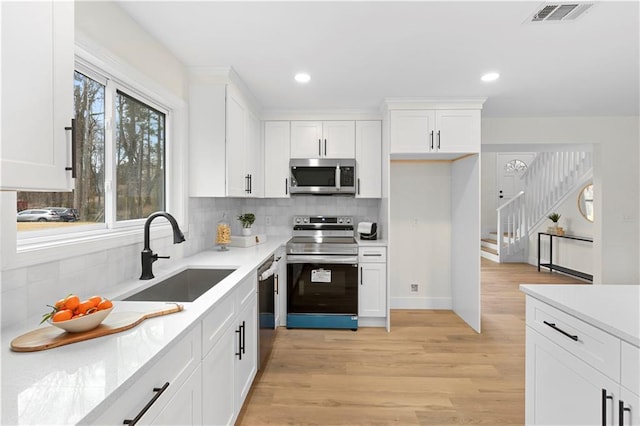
511, 226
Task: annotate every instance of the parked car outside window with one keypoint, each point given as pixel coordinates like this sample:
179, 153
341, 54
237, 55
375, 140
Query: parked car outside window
66, 214
38, 215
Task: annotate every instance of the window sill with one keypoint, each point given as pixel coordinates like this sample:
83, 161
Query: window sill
40, 249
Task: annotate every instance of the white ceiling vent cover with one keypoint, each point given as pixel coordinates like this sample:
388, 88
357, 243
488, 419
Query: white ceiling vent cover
557, 12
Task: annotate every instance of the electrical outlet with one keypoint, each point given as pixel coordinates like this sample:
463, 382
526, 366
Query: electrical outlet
414, 288
267, 220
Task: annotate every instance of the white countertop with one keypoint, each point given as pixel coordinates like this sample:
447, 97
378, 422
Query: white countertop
612, 308
372, 243
66, 385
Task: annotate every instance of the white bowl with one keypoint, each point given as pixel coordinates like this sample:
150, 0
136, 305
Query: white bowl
83, 323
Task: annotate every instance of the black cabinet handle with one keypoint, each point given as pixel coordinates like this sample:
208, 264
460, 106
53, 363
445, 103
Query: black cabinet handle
137, 418
250, 183
621, 410
372, 254
286, 186
277, 283
358, 186
553, 325
432, 139
605, 397
361, 275
244, 330
325, 147
438, 139
72, 129
239, 332
319, 147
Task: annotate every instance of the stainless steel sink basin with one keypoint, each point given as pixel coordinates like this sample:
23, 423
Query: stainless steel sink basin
186, 286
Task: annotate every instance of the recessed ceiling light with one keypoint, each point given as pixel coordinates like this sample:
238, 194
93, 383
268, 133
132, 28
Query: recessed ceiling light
492, 76
302, 77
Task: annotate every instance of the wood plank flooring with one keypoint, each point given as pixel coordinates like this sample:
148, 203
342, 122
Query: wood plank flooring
431, 369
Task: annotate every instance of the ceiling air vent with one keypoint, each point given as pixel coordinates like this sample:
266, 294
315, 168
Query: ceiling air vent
560, 12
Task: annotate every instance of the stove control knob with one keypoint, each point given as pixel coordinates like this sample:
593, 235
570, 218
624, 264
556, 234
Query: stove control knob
297, 220
305, 220
340, 220
348, 220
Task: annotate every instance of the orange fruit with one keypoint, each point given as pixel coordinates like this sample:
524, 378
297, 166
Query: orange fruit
62, 315
105, 304
59, 304
72, 302
84, 307
95, 300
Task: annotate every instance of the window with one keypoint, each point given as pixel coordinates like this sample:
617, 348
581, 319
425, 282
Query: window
120, 169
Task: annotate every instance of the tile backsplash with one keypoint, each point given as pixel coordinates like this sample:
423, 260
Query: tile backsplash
26, 291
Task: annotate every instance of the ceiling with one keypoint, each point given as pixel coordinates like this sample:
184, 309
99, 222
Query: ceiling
360, 52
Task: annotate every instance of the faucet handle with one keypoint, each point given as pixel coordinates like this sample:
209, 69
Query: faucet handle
161, 257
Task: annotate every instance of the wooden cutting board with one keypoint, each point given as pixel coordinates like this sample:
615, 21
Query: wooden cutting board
51, 337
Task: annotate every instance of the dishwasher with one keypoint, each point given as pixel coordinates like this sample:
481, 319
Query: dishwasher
266, 309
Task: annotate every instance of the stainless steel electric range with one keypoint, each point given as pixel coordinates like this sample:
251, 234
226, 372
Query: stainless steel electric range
322, 273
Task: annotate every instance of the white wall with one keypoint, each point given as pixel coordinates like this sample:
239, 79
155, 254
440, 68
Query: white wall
488, 185
616, 179
420, 228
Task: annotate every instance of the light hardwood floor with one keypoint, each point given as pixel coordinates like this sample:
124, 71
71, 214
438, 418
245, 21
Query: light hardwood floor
431, 369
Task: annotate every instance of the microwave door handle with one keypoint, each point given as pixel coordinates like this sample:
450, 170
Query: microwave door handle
338, 177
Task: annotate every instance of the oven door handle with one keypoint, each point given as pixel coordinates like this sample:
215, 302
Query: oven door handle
326, 259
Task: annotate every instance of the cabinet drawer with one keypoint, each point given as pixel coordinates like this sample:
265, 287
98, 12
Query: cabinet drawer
372, 254
174, 367
216, 321
596, 347
630, 369
247, 289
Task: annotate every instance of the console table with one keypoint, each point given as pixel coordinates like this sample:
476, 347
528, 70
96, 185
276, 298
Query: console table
553, 267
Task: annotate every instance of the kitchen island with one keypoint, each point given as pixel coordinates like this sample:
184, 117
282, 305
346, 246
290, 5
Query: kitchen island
582, 354
80, 382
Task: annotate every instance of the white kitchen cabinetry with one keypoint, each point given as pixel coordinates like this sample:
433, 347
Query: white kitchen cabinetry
369, 159
37, 95
224, 142
423, 131
372, 294
277, 136
167, 379
323, 139
230, 347
577, 373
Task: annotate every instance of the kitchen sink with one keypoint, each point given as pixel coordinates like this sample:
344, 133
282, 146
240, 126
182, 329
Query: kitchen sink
185, 286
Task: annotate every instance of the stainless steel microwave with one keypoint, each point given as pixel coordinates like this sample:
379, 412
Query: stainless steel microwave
322, 176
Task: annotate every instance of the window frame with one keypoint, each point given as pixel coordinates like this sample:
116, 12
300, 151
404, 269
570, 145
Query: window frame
37, 246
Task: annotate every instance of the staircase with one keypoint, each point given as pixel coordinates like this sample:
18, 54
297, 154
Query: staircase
548, 181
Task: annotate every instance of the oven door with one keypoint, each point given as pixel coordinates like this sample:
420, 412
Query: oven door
322, 291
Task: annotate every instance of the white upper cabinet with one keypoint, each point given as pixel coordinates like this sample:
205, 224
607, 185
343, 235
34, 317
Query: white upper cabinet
323, 139
423, 131
276, 159
369, 159
224, 142
37, 95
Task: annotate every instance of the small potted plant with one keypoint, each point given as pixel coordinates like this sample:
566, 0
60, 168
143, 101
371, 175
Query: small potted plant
247, 220
555, 229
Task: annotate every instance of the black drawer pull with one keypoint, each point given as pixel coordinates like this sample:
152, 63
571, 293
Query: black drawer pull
137, 418
553, 325
372, 254
621, 410
239, 353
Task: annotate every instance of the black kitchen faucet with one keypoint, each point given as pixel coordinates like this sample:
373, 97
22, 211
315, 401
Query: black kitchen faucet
148, 257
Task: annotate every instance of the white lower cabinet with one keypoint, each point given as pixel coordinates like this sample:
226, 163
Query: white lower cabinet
576, 373
164, 384
230, 353
372, 288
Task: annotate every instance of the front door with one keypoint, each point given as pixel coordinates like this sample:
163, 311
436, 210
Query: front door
511, 168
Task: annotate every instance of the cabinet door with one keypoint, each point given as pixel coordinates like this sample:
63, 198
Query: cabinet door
253, 157
457, 131
218, 380
372, 295
412, 131
306, 138
247, 367
562, 389
369, 159
631, 408
338, 139
236, 145
185, 408
276, 159
37, 94
281, 287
